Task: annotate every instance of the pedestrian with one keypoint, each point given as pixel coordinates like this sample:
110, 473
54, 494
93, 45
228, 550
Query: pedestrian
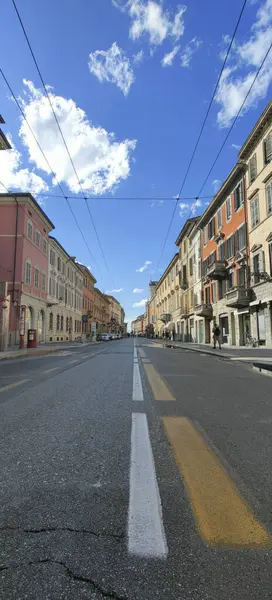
216, 336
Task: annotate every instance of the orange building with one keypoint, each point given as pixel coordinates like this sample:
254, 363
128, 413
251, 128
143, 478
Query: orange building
95, 306
225, 272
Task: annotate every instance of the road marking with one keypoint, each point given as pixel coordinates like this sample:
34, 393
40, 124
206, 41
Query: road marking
137, 392
12, 385
135, 351
142, 353
73, 361
159, 388
146, 536
222, 515
50, 370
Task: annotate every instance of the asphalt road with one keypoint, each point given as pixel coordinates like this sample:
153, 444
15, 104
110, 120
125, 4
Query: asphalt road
134, 474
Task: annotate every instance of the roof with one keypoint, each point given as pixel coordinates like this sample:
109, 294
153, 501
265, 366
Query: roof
188, 225
4, 143
169, 266
257, 132
83, 268
222, 193
101, 294
112, 298
28, 195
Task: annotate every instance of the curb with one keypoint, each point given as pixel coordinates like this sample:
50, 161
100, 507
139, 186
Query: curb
262, 368
204, 351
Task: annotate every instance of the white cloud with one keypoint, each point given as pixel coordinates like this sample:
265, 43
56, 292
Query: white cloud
191, 208
216, 184
188, 52
112, 65
138, 290
245, 60
149, 18
144, 267
168, 58
100, 161
236, 146
156, 203
15, 178
140, 303
138, 57
115, 291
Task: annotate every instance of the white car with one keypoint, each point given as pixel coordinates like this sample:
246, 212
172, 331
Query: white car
105, 337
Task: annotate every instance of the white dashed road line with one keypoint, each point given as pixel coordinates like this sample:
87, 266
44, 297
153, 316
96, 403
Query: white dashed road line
146, 536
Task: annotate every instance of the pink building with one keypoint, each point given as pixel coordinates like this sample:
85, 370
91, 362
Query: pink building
24, 229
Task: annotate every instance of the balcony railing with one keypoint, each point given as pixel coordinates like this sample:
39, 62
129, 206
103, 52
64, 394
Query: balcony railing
238, 296
217, 270
165, 317
204, 310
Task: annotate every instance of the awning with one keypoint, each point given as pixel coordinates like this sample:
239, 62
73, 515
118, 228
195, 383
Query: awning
223, 315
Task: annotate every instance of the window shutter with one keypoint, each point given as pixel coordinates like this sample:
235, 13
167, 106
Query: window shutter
253, 168
268, 149
262, 262
236, 206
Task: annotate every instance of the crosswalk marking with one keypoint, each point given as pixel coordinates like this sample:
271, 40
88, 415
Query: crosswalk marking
146, 536
222, 515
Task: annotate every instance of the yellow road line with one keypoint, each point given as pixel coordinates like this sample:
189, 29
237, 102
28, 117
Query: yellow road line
159, 388
222, 515
50, 370
142, 353
12, 385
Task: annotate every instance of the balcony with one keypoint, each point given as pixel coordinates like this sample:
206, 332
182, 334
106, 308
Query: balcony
238, 297
165, 317
217, 270
204, 310
184, 313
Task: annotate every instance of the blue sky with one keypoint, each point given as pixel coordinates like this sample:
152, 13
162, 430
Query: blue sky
130, 82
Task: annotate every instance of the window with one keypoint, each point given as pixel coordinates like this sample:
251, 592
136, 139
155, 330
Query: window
219, 218
59, 264
44, 246
61, 323
63, 268
51, 321
268, 191
38, 238
205, 267
36, 277
213, 292
211, 258
268, 149
238, 196
43, 281
270, 257
221, 251
191, 266
252, 168
205, 235
241, 238
177, 269
207, 295
229, 247
241, 276
58, 322
228, 209
29, 230
67, 324
28, 272
257, 266
199, 269
52, 257
57, 290
211, 228
220, 290
184, 246
230, 280
254, 209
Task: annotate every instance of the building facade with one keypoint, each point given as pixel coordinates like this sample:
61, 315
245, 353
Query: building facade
188, 278
117, 315
88, 322
64, 300
24, 230
226, 293
257, 155
168, 300
137, 326
101, 312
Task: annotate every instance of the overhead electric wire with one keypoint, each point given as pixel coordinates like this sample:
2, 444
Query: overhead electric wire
47, 162
201, 130
168, 198
235, 119
62, 136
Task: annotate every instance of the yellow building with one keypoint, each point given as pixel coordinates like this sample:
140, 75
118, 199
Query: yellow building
188, 243
117, 315
256, 152
168, 300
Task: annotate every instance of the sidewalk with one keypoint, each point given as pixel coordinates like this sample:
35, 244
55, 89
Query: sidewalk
42, 350
245, 353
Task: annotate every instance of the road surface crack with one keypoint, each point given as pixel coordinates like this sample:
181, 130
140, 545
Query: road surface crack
115, 536
69, 572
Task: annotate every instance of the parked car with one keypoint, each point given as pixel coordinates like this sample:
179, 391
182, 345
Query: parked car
105, 337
